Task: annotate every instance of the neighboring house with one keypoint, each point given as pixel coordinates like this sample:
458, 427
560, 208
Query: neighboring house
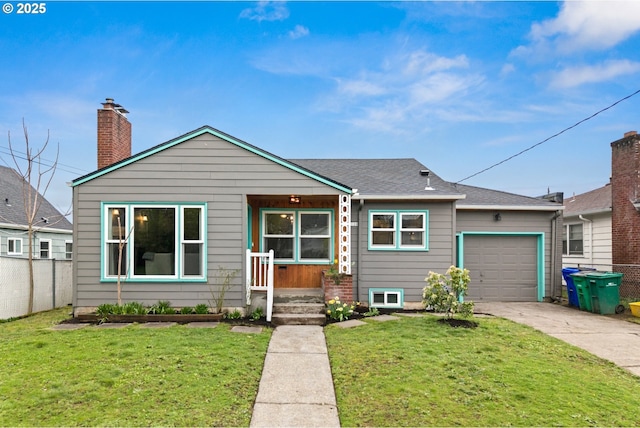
53, 234
586, 238
603, 225
195, 203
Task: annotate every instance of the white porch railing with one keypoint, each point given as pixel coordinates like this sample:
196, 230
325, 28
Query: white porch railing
259, 277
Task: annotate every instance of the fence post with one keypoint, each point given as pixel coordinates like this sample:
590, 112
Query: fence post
53, 282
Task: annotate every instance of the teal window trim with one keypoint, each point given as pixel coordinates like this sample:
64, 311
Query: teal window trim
179, 213
397, 246
539, 259
386, 292
296, 235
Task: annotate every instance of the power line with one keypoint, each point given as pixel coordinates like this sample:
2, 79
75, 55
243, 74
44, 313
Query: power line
44, 162
549, 138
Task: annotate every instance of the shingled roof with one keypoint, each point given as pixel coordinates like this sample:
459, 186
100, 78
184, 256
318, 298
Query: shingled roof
383, 177
12, 206
478, 197
592, 202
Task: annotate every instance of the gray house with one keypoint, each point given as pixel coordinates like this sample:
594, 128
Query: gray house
52, 238
189, 208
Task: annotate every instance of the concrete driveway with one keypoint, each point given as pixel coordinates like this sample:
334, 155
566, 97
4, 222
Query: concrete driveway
615, 340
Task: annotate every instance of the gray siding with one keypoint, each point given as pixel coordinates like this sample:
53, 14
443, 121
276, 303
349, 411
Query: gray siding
203, 169
515, 222
402, 269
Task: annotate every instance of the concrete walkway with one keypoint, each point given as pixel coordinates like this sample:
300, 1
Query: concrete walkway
296, 388
615, 340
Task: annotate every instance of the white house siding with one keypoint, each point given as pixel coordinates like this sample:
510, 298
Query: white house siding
597, 247
58, 242
202, 169
513, 222
402, 269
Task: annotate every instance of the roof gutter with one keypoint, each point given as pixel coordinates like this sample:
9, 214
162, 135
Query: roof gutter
35, 228
359, 197
592, 212
510, 207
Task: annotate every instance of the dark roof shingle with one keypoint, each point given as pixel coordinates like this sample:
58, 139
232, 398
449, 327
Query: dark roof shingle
381, 177
12, 206
591, 202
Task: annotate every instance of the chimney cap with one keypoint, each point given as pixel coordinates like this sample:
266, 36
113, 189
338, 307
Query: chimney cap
630, 133
110, 105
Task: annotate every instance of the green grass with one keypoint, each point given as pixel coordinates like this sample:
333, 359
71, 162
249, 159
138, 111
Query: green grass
134, 376
418, 372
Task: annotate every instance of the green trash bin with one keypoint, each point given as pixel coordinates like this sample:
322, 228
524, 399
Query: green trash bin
582, 289
604, 288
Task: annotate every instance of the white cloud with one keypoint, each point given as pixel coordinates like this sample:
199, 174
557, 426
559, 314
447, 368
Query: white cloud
356, 88
588, 25
403, 90
576, 76
507, 69
298, 32
266, 11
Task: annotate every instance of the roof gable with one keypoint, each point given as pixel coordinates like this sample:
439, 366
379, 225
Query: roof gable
226, 137
12, 204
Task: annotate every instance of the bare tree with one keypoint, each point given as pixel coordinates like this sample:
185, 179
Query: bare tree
36, 178
122, 243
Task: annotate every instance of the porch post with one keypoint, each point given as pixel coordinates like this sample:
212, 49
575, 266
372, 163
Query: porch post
344, 235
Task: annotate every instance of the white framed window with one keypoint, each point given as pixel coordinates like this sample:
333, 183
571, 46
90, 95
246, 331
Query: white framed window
278, 234
192, 241
314, 230
14, 246
154, 241
398, 230
383, 230
68, 250
45, 249
298, 236
572, 242
386, 298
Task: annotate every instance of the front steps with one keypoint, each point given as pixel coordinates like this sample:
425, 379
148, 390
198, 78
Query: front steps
298, 306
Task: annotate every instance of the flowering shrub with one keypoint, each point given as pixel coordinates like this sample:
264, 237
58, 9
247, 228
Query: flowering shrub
336, 310
443, 292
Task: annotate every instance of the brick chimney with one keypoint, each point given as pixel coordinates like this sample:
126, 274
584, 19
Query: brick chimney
625, 199
114, 134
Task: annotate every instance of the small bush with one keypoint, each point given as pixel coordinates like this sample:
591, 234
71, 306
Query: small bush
444, 292
372, 312
235, 315
162, 307
256, 314
186, 310
134, 308
201, 308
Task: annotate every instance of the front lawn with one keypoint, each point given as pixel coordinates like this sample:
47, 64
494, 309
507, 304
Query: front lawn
419, 372
135, 376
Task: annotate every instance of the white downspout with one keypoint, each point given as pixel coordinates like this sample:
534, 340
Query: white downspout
586, 220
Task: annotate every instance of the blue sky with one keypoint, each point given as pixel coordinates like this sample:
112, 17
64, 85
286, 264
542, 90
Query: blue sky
457, 85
